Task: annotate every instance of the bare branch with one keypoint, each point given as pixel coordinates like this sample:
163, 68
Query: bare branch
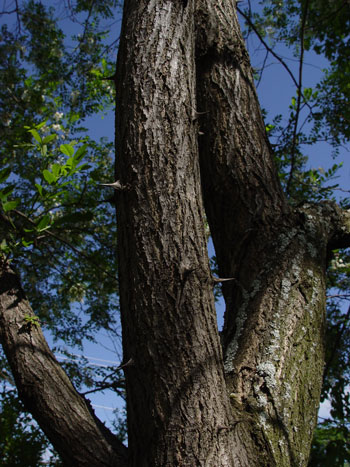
299, 95
268, 48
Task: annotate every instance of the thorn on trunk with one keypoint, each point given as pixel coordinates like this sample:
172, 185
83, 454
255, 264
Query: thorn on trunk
221, 279
115, 185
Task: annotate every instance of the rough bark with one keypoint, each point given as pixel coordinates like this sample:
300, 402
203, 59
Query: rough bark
181, 411
178, 408
64, 415
274, 320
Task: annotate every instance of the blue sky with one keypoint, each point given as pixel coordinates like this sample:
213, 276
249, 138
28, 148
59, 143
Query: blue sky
275, 92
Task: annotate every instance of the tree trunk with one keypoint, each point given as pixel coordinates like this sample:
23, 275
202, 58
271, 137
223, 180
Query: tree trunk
274, 320
178, 407
183, 76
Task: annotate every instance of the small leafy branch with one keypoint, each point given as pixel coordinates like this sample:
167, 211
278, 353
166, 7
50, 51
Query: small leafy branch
60, 176
31, 320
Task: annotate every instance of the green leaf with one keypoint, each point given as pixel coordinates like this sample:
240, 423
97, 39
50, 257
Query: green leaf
9, 205
43, 223
44, 150
49, 176
5, 192
49, 138
56, 170
36, 135
308, 93
4, 174
80, 152
39, 188
67, 150
3, 245
40, 125
26, 244
70, 163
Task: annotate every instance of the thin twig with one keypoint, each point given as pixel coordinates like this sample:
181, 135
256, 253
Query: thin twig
299, 96
102, 388
341, 296
66, 242
268, 48
18, 18
262, 68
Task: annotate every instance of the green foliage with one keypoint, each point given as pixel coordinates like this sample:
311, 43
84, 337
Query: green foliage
331, 447
22, 443
56, 226
323, 112
54, 214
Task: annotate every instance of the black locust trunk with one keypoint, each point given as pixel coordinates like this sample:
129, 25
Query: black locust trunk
274, 321
178, 407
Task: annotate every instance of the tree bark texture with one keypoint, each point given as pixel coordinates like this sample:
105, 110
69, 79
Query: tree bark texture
274, 320
64, 415
178, 407
188, 126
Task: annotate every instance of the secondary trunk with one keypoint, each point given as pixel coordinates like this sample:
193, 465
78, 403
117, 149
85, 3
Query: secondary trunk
274, 320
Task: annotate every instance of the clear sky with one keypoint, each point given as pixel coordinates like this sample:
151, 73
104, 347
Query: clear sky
275, 92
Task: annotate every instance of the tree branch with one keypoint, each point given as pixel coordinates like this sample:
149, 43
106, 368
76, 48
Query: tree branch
299, 96
267, 47
64, 415
339, 220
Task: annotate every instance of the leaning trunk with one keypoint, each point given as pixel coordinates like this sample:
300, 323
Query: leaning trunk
64, 415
